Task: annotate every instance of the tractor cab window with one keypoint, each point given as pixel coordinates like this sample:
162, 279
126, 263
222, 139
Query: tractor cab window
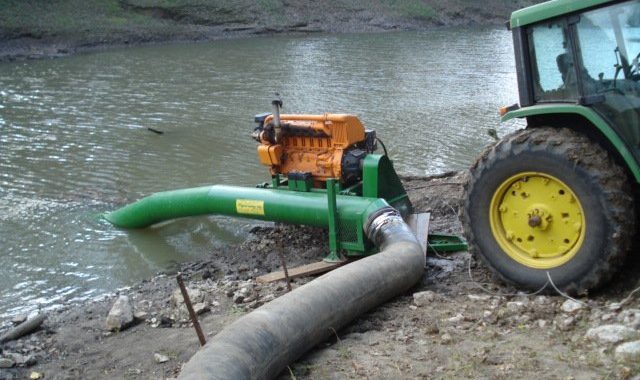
554, 76
609, 46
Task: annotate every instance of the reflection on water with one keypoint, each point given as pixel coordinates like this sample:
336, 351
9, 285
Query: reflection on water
74, 140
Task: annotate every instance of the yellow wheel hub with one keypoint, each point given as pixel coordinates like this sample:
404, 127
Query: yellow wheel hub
537, 220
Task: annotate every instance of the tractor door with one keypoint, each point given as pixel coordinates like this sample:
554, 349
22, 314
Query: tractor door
553, 68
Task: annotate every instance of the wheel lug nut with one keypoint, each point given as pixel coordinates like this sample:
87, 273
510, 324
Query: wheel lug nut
535, 221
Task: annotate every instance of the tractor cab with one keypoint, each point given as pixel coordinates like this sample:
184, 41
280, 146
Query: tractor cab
589, 57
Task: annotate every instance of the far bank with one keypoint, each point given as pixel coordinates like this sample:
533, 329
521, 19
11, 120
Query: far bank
34, 29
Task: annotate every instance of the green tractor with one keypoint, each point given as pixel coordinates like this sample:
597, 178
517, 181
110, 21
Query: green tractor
554, 204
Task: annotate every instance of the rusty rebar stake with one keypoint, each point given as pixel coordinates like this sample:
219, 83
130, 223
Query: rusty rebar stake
283, 262
192, 313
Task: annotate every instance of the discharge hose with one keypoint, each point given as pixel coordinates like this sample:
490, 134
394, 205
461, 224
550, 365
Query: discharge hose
262, 343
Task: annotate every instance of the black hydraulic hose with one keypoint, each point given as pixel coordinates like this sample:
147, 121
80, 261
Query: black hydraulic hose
262, 343
384, 148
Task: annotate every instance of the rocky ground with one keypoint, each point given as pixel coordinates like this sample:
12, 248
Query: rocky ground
458, 322
32, 29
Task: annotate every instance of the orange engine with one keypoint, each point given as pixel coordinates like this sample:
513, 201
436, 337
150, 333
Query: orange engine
325, 146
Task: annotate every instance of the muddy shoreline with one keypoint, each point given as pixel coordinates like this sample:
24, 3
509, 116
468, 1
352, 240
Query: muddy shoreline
458, 322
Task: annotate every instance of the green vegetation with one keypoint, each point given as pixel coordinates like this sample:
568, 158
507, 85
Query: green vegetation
76, 19
415, 9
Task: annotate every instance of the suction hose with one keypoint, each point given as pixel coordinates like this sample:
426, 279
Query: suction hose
261, 344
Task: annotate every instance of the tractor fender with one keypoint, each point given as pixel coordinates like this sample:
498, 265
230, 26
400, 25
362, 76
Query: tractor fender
618, 146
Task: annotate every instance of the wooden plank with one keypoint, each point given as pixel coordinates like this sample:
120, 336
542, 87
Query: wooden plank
419, 224
301, 271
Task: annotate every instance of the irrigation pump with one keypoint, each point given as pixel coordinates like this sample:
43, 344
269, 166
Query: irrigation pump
324, 172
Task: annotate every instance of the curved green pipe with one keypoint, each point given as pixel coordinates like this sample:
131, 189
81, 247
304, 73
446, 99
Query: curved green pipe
308, 208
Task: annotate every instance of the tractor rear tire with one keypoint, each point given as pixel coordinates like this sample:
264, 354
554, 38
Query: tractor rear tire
549, 203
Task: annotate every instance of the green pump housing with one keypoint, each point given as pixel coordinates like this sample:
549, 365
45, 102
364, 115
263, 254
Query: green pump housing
577, 67
346, 228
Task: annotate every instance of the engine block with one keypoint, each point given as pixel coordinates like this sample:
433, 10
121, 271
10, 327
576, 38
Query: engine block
325, 146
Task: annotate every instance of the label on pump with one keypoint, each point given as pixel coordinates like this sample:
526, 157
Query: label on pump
249, 207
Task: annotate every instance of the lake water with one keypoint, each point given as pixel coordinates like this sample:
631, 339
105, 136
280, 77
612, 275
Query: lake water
74, 141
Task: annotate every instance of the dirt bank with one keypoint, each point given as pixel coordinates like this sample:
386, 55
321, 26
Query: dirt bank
31, 29
457, 323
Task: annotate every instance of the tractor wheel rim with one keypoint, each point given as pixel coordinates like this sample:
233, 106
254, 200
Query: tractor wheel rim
537, 220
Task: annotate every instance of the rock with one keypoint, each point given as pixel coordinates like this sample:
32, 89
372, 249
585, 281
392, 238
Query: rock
23, 360
566, 324
268, 298
36, 375
476, 297
18, 319
121, 315
515, 306
446, 338
423, 298
494, 359
207, 274
614, 306
542, 323
165, 322
141, 315
608, 317
200, 308
180, 312
541, 300
444, 265
24, 328
431, 328
195, 295
630, 318
571, 306
628, 352
238, 298
457, 319
6, 363
159, 358
611, 333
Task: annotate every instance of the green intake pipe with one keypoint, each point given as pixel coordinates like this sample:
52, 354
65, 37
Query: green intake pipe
307, 208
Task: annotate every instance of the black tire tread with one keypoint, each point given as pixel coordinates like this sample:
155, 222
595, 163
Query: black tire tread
600, 165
